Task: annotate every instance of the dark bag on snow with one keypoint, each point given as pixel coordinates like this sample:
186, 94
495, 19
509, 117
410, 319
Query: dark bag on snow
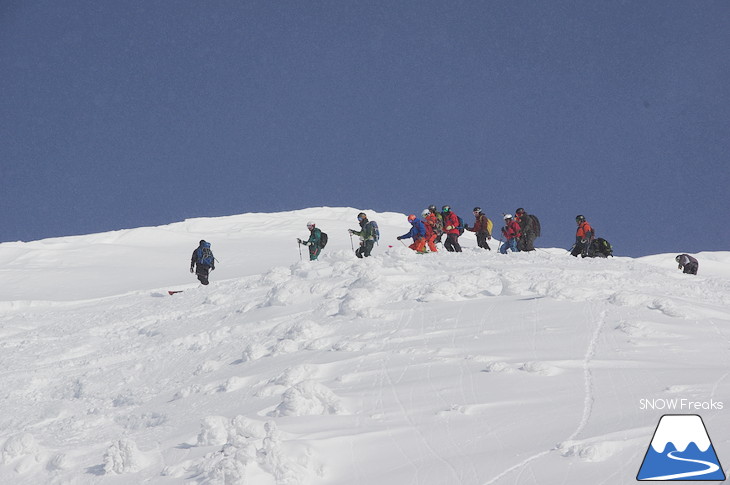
600, 248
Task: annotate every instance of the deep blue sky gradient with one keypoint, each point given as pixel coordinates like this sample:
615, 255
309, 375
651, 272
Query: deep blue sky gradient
125, 114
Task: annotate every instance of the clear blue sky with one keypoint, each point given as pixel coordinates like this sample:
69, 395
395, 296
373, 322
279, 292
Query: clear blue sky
134, 113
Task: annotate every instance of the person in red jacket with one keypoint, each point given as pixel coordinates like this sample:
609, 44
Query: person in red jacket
451, 229
511, 233
431, 222
583, 237
481, 228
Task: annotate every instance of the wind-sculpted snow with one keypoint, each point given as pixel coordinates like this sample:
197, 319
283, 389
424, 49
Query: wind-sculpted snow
469, 368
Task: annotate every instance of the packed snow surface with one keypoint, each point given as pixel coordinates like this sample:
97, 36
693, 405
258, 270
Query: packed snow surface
474, 368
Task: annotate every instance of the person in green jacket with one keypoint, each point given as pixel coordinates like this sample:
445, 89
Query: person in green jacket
314, 241
366, 234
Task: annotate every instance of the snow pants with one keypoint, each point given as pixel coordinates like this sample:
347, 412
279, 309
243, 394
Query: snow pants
419, 245
202, 271
509, 244
452, 243
482, 240
365, 248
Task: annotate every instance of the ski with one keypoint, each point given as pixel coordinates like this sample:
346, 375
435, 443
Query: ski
172, 292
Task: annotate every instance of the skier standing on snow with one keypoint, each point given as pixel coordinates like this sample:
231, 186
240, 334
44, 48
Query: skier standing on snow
481, 228
451, 229
202, 261
511, 233
430, 220
583, 237
438, 224
417, 232
687, 263
314, 243
366, 234
529, 230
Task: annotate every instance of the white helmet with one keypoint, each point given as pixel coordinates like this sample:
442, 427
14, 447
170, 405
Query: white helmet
425, 212
310, 224
507, 216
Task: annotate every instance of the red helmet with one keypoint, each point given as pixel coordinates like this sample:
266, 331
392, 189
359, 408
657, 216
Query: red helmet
411, 218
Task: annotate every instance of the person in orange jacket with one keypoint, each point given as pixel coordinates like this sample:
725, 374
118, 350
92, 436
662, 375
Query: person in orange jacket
431, 222
584, 236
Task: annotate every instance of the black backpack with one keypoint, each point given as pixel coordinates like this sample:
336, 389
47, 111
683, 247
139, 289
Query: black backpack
600, 248
535, 224
323, 239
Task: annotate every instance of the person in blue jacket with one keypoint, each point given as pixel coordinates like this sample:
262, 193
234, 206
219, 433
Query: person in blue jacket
417, 232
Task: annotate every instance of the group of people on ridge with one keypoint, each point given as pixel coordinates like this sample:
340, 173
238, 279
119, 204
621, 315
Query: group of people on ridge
519, 232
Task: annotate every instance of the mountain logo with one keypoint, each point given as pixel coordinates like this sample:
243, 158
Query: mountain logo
680, 450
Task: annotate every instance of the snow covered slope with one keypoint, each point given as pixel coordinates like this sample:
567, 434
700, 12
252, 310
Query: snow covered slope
472, 368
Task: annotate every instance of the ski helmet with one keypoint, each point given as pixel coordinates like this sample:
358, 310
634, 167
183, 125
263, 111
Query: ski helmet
310, 224
507, 217
361, 216
580, 218
520, 211
432, 208
411, 218
425, 212
477, 209
679, 256
202, 241
445, 208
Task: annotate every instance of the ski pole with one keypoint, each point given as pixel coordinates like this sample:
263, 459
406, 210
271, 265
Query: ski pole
299, 245
352, 245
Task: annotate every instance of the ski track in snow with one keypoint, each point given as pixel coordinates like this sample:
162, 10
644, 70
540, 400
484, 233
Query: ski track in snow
399, 369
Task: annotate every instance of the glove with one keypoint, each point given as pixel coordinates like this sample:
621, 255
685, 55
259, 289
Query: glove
192, 270
299, 241
399, 238
212, 268
350, 231
466, 226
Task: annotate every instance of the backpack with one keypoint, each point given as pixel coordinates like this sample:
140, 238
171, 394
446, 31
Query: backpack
460, 227
600, 248
490, 225
535, 224
205, 255
376, 230
438, 225
323, 239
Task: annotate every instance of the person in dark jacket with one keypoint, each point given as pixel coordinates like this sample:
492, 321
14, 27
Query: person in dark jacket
528, 230
687, 263
481, 228
417, 233
202, 261
366, 235
314, 243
